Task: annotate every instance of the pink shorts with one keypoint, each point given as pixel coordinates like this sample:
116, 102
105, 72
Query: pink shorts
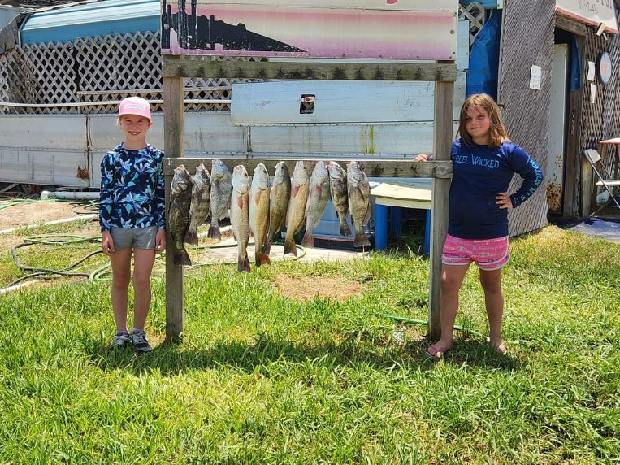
489, 254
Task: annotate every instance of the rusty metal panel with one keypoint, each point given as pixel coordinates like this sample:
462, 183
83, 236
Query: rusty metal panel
44, 166
385, 29
40, 149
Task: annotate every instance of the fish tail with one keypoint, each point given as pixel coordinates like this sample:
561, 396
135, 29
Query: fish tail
262, 259
344, 228
243, 264
191, 237
361, 240
181, 257
308, 240
289, 246
214, 231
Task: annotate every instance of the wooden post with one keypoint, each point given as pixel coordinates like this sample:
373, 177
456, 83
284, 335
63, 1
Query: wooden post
442, 143
173, 142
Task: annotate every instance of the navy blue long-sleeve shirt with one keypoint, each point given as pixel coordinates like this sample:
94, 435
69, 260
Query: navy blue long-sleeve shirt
480, 173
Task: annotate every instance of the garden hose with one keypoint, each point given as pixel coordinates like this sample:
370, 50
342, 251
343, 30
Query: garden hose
420, 322
33, 272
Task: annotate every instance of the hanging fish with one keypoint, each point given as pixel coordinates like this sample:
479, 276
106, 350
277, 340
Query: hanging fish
318, 195
199, 206
278, 202
221, 188
178, 213
296, 206
240, 215
259, 213
359, 201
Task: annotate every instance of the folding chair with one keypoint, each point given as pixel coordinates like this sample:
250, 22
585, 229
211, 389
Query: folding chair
593, 157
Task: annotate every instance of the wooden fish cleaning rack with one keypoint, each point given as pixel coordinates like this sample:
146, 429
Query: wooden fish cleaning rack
175, 68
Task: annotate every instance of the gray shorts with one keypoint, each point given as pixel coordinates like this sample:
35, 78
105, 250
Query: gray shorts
134, 238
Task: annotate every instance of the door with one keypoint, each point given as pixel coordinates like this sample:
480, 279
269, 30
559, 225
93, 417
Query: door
554, 169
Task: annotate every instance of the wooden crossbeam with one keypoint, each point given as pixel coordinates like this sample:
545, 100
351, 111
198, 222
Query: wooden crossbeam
374, 168
215, 67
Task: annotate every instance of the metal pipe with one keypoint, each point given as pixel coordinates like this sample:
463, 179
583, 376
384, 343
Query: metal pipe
69, 195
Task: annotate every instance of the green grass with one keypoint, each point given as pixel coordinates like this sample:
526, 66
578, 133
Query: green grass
53, 257
261, 378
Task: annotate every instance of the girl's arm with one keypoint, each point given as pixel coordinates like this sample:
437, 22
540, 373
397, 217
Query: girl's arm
528, 169
105, 194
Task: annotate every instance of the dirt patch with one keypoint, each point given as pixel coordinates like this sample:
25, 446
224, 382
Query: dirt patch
307, 288
40, 211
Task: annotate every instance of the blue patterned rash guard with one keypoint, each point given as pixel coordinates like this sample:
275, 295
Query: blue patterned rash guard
132, 189
480, 173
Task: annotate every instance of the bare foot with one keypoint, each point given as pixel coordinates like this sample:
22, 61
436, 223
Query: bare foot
499, 347
438, 350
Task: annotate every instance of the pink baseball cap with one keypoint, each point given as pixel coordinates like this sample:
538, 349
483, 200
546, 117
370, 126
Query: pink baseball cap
135, 106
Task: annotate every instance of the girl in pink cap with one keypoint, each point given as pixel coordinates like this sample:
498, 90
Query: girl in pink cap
484, 161
131, 214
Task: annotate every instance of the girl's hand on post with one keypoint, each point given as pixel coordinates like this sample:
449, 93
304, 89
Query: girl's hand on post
160, 240
503, 200
107, 244
421, 157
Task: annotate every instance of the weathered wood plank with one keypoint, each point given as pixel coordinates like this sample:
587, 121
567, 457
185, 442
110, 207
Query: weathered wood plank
270, 28
210, 67
372, 140
375, 168
440, 205
280, 102
570, 26
173, 127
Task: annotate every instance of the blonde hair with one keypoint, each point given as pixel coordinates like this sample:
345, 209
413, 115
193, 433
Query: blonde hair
497, 130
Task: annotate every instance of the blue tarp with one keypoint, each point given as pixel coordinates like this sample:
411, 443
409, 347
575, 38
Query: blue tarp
484, 58
92, 20
575, 68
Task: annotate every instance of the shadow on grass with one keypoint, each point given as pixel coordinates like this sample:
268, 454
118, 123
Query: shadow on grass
174, 358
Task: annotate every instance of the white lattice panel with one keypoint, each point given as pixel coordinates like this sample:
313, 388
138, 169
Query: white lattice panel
54, 74
102, 69
476, 15
16, 80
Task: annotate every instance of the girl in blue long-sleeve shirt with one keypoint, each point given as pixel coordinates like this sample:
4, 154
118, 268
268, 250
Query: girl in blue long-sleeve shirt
484, 161
131, 214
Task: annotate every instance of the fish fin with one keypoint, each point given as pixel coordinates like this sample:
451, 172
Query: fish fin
243, 264
191, 237
214, 232
294, 191
344, 228
361, 240
308, 240
262, 259
290, 247
368, 214
181, 257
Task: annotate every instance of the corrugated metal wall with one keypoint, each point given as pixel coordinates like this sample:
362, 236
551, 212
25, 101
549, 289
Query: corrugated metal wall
527, 40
